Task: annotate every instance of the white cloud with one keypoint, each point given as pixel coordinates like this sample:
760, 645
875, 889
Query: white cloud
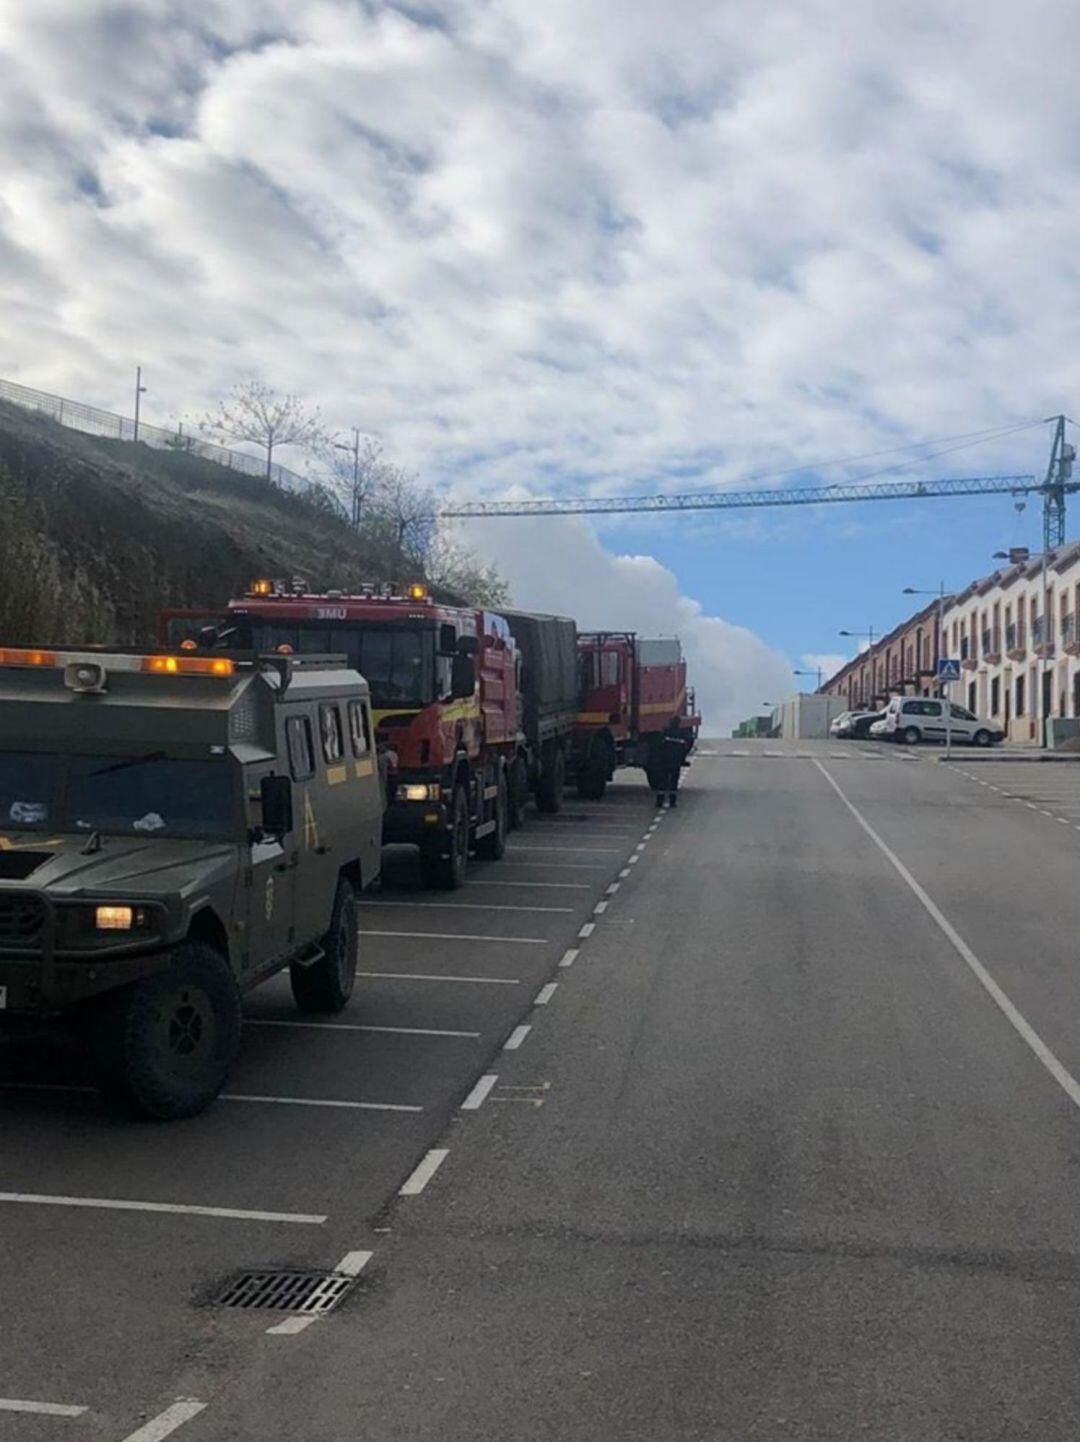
581, 244
558, 565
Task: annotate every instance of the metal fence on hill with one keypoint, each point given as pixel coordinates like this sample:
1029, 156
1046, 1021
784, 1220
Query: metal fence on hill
97, 422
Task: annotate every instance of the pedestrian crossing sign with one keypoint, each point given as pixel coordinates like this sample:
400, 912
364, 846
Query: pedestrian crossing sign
948, 669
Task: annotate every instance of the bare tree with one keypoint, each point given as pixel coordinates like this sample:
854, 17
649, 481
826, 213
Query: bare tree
452, 567
403, 512
256, 413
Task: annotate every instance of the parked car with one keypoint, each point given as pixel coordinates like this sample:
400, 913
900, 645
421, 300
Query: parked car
863, 722
911, 719
840, 726
877, 730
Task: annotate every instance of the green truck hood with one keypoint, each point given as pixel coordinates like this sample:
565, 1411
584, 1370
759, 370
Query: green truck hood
142, 866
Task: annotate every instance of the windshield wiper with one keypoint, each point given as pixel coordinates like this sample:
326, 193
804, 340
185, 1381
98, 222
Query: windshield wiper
132, 761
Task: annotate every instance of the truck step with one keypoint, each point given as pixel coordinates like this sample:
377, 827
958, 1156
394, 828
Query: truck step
484, 829
309, 956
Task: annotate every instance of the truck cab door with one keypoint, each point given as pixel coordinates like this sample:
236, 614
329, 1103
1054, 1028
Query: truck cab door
271, 890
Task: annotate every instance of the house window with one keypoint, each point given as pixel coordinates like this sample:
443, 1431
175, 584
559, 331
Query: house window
995, 696
1019, 695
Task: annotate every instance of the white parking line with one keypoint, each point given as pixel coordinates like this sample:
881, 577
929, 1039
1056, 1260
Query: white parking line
1065, 1080
546, 885
166, 1423
40, 1409
569, 957
463, 906
351, 1265
475, 1099
319, 1102
113, 1204
544, 995
424, 1172
427, 976
587, 930
516, 1037
555, 865
347, 1026
460, 936
1063, 820
574, 850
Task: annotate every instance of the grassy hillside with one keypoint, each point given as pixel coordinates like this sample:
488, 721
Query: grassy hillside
97, 536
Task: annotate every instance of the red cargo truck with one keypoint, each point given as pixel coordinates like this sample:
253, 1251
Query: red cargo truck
631, 689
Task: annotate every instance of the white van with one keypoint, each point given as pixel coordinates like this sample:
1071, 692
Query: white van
911, 719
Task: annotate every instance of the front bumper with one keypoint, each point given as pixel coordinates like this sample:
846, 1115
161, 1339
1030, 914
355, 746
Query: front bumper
412, 822
41, 973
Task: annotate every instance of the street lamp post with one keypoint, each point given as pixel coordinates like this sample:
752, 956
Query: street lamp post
354, 451
816, 672
140, 390
868, 637
943, 689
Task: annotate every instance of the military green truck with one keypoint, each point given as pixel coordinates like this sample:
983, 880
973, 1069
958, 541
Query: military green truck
175, 829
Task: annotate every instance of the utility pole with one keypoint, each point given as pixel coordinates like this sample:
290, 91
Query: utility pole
354, 451
140, 390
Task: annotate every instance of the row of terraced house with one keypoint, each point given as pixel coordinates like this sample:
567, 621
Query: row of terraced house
1017, 636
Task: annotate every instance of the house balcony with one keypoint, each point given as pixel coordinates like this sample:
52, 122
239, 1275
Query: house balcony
991, 647
1070, 639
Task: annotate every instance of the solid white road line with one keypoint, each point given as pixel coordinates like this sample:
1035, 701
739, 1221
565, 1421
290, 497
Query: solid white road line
475, 1099
600, 908
569, 957
424, 976
460, 906
166, 1423
351, 1265
544, 995
516, 1037
587, 930
349, 1026
424, 1172
459, 936
319, 1102
113, 1204
1065, 1080
40, 1409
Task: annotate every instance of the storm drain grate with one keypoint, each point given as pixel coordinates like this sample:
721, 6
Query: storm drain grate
286, 1291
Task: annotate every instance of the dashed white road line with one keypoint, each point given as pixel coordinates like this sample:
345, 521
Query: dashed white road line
613, 888
427, 976
424, 1172
114, 1204
544, 995
634, 860
462, 906
1065, 1080
516, 1037
587, 930
351, 1026
475, 1100
166, 1423
351, 1265
624, 873
460, 936
40, 1409
571, 956
600, 908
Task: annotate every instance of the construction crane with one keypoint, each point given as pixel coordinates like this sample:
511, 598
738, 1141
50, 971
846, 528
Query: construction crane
1053, 487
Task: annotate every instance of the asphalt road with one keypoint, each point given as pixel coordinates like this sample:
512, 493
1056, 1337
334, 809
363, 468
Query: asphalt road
790, 1151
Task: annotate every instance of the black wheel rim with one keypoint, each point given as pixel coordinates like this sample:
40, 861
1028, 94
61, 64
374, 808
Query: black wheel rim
185, 1031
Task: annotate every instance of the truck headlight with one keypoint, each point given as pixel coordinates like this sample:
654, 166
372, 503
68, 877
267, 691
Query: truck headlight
119, 918
419, 791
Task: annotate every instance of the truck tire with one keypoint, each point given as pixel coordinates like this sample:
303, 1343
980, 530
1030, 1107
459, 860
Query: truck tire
328, 984
164, 1045
593, 773
517, 794
492, 846
443, 863
549, 794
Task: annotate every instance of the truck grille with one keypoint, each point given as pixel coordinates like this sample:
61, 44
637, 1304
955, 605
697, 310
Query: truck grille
22, 918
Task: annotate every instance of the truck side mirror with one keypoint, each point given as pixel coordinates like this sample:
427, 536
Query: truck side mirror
462, 678
275, 793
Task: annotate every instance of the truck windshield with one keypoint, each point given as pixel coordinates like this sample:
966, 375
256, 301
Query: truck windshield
27, 781
149, 796
397, 663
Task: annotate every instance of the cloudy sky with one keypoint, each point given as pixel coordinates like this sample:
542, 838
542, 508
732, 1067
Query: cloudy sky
578, 246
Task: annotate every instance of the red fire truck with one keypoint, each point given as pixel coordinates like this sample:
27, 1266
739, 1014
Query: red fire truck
631, 689
446, 688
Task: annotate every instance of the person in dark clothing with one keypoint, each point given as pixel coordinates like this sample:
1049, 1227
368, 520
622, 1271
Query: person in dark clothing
672, 755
